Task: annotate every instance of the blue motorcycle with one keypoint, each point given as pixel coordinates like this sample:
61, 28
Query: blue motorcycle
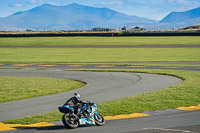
89, 116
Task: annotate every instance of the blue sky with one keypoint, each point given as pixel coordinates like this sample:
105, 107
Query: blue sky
153, 9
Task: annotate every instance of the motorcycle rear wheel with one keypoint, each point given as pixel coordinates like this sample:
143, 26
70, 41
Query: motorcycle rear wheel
70, 121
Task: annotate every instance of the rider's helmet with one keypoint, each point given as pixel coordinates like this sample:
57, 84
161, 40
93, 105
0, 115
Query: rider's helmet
77, 96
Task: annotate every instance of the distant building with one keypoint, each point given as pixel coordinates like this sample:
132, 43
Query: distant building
29, 30
124, 28
137, 29
102, 29
193, 27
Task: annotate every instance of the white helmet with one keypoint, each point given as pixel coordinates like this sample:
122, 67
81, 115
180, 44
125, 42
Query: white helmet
76, 95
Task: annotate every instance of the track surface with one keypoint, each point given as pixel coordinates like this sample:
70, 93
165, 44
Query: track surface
171, 123
101, 86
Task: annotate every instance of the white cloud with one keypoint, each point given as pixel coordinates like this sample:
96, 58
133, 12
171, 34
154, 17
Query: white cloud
54, 3
183, 2
141, 2
157, 2
35, 2
40, 2
170, 1
112, 3
16, 5
197, 3
32, 1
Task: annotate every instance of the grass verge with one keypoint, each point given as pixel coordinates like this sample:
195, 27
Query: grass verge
15, 88
46, 41
92, 55
185, 94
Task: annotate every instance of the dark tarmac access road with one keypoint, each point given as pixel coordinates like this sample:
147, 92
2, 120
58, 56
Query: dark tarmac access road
114, 65
107, 46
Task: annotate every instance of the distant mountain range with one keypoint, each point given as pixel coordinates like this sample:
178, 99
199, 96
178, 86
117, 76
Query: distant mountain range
187, 17
80, 17
175, 20
70, 17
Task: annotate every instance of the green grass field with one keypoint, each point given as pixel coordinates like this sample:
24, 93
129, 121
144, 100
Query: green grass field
89, 55
42, 41
183, 94
15, 88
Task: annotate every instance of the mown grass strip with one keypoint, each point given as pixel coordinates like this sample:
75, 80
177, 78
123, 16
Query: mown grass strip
185, 94
50, 41
15, 88
92, 55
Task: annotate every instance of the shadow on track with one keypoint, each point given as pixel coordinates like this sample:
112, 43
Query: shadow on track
54, 127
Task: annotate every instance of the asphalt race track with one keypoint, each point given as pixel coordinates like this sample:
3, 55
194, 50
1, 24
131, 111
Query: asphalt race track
100, 87
187, 122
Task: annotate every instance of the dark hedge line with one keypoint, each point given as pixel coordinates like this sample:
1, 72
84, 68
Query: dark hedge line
102, 34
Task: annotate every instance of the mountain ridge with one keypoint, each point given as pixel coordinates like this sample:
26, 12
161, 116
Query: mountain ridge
70, 17
81, 17
181, 17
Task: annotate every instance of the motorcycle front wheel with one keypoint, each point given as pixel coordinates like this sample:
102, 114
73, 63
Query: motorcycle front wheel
70, 120
99, 120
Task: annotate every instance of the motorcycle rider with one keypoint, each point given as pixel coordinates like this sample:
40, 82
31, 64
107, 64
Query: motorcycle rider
75, 102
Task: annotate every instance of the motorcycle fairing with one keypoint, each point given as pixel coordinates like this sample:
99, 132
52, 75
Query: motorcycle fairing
87, 121
65, 109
